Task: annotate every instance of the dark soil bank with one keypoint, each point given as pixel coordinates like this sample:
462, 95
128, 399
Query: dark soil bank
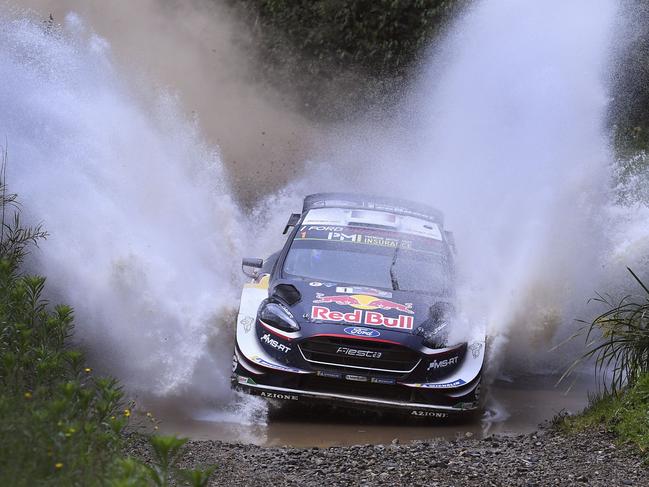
539, 459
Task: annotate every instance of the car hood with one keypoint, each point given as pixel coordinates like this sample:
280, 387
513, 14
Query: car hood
329, 302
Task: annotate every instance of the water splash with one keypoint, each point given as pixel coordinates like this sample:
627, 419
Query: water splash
512, 139
504, 131
145, 236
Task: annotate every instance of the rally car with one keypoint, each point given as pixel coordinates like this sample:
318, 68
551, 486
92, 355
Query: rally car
357, 309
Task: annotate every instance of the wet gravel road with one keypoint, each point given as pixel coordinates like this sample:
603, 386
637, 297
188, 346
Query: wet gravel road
536, 459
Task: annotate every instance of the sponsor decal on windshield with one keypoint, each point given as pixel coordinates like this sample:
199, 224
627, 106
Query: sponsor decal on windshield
360, 317
361, 236
363, 301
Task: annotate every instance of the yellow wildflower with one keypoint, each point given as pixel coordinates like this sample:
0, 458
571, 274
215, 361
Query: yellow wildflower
127, 412
87, 370
58, 466
28, 395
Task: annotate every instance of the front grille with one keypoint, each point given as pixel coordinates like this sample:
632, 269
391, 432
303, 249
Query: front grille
359, 354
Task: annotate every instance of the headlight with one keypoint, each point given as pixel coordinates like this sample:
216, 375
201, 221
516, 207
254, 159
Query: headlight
274, 314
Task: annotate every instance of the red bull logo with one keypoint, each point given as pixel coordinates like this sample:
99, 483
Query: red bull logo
360, 317
363, 301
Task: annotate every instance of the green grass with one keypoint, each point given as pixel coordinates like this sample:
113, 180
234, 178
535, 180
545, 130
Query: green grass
618, 341
624, 413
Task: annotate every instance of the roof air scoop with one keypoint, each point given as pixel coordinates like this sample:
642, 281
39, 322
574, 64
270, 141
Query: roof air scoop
372, 219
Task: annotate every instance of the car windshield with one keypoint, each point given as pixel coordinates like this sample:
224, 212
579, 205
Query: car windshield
370, 265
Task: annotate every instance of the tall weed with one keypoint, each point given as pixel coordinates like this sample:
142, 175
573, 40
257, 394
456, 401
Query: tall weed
618, 340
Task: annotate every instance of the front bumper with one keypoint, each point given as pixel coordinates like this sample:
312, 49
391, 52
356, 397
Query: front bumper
414, 409
316, 388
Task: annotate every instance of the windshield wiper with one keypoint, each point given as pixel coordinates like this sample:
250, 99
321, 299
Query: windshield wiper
393, 276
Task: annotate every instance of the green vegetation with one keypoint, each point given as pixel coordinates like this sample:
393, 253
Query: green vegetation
618, 340
59, 423
379, 37
624, 413
342, 56
630, 81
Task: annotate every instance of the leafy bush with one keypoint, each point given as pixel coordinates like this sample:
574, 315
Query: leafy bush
618, 340
59, 424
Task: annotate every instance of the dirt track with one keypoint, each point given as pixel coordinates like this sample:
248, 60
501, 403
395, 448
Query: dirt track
537, 459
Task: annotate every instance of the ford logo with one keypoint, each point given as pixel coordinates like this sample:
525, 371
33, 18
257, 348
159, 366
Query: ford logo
361, 332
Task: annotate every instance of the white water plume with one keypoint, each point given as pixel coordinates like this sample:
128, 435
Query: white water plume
505, 131
144, 235
515, 149
509, 136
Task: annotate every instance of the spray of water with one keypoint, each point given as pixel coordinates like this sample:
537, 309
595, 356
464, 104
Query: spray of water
504, 131
514, 146
144, 232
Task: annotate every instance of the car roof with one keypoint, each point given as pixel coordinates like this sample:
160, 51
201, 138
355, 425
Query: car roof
368, 202
372, 219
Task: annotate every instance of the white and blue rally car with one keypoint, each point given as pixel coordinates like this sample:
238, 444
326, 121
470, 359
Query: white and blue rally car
356, 310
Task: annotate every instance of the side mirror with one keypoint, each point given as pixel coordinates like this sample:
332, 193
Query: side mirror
292, 221
251, 262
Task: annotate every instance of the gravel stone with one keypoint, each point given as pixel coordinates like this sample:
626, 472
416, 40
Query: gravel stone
544, 458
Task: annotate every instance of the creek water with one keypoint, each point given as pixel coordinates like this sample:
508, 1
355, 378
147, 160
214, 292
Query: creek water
513, 407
